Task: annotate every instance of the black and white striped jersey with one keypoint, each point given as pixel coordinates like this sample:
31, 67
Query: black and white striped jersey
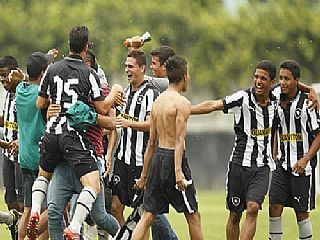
296, 127
10, 123
64, 83
253, 127
138, 107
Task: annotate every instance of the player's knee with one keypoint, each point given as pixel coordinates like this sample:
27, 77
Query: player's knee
193, 218
275, 210
235, 218
302, 216
253, 209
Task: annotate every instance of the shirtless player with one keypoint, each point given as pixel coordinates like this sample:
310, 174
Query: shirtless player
171, 180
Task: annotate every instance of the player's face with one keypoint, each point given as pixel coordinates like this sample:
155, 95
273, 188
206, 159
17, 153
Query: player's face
287, 82
88, 60
262, 82
4, 78
134, 72
158, 70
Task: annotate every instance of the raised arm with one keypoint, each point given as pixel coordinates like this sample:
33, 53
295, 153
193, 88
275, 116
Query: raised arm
115, 97
207, 107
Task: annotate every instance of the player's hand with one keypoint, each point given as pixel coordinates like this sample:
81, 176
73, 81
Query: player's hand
300, 165
122, 122
118, 88
53, 110
54, 52
313, 102
120, 99
16, 75
180, 181
140, 183
108, 159
13, 147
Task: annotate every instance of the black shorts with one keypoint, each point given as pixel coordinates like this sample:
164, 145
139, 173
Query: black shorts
246, 184
161, 186
12, 180
122, 181
70, 146
288, 190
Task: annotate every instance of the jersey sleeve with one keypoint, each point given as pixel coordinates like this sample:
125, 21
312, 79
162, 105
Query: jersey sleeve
96, 92
314, 121
233, 103
151, 96
44, 87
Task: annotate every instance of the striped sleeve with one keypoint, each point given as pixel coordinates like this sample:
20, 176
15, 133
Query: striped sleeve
96, 92
314, 120
151, 96
233, 103
44, 87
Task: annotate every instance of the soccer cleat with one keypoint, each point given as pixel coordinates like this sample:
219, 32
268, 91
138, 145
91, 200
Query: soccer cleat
70, 235
15, 222
33, 225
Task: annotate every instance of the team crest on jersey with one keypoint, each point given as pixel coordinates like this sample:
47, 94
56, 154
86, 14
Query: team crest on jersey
139, 99
235, 201
297, 114
115, 180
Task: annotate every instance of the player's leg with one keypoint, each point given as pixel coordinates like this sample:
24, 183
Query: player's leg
80, 155
62, 186
248, 229
143, 226
303, 201
119, 186
280, 190
235, 199
99, 214
194, 223
257, 187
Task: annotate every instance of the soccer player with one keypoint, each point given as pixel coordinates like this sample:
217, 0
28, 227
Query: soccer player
171, 180
11, 170
31, 125
66, 82
134, 123
298, 141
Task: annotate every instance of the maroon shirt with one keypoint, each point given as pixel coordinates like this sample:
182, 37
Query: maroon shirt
94, 133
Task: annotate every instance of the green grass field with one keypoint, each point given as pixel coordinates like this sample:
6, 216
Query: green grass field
214, 216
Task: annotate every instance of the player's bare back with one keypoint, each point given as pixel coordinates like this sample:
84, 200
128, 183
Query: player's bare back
169, 106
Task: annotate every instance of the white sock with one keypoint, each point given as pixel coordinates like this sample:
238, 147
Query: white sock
305, 229
39, 192
275, 228
6, 217
84, 204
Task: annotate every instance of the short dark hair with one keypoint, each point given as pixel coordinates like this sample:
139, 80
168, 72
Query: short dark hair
268, 66
292, 66
9, 62
78, 38
37, 62
163, 52
176, 67
139, 56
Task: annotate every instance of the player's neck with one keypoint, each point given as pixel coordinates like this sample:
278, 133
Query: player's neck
175, 87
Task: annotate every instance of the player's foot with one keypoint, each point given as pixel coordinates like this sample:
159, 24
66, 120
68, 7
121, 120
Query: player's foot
33, 225
15, 222
70, 235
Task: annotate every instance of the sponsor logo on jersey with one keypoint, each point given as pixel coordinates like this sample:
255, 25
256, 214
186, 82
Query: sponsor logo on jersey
291, 137
260, 132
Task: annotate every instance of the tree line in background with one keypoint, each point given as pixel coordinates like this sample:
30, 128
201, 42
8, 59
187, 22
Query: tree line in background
222, 47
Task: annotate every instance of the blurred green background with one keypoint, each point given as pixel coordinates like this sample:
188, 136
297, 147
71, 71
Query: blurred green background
222, 40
